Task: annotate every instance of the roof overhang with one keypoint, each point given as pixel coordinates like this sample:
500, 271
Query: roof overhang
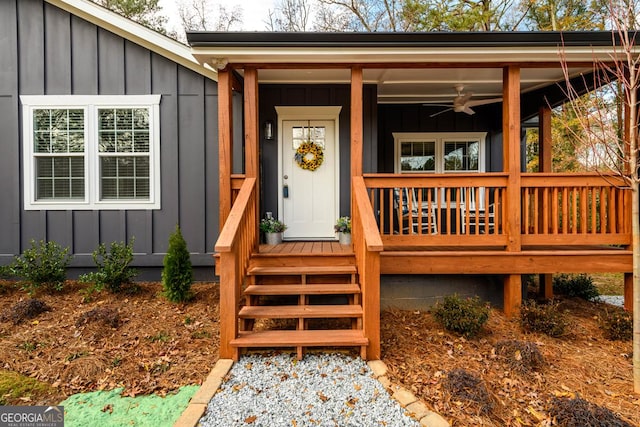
400, 48
408, 67
136, 33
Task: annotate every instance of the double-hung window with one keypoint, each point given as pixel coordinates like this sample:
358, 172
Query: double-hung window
439, 152
91, 152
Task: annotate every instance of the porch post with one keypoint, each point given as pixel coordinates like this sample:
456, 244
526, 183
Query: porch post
251, 147
545, 165
225, 143
356, 122
511, 165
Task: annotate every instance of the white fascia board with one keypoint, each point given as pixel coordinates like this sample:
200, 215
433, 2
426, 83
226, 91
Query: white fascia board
296, 55
136, 33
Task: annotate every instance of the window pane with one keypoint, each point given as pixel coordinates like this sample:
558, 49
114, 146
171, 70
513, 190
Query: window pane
124, 177
107, 142
59, 178
418, 156
106, 119
461, 156
124, 142
452, 157
44, 167
42, 142
58, 130
141, 118
141, 142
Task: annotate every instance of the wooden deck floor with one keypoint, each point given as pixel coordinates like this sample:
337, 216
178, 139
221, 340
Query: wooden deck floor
315, 248
469, 260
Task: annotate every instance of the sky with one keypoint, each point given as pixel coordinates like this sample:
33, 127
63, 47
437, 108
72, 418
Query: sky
255, 12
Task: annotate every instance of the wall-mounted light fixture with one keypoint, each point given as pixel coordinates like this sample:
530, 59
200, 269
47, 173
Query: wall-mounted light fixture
268, 130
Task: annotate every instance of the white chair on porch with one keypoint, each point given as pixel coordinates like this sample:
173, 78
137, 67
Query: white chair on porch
415, 217
476, 215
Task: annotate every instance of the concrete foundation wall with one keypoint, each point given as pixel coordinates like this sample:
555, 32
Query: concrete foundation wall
420, 292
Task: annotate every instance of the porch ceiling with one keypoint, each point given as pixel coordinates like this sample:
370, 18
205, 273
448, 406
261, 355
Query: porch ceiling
420, 85
407, 67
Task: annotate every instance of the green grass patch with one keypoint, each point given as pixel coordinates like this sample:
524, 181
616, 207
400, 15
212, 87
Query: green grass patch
609, 283
13, 386
109, 409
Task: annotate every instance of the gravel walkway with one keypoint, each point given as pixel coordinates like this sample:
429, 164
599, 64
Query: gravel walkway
321, 390
612, 299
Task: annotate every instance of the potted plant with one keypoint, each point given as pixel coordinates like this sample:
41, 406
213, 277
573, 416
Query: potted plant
343, 228
272, 229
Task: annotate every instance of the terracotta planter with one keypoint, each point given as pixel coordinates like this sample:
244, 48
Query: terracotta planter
344, 238
273, 238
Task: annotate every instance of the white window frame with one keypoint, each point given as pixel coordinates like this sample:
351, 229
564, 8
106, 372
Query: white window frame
90, 104
439, 138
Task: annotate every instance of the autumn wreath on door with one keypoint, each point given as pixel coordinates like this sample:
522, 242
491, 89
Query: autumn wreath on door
309, 156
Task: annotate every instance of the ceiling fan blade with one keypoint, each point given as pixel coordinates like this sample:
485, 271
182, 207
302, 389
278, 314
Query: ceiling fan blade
442, 111
468, 110
476, 102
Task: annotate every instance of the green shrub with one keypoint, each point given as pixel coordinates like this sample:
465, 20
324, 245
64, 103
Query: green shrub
575, 285
463, 316
177, 274
43, 266
617, 325
579, 412
113, 267
544, 318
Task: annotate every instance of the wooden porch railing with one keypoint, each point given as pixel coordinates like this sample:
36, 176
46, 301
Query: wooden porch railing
465, 210
439, 210
236, 183
575, 209
237, 240
367, 247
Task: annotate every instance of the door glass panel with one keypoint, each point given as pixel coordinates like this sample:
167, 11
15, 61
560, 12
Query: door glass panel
315, 134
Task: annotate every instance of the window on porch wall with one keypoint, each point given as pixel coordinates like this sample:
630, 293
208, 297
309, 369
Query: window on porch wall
440, 153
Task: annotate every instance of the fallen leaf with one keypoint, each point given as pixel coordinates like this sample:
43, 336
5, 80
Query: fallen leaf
251, 419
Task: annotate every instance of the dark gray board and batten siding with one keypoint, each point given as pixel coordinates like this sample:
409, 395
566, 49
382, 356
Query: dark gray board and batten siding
47, 51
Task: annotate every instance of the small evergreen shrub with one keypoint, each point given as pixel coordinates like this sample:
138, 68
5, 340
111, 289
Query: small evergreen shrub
177, 274
43, 266
113, 267
24, 310
575, 285
544, 318
521, 356
463, 316
578, 412
464, 386
617, 326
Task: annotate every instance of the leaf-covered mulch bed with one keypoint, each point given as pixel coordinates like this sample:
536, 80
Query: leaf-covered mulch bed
146, 344
420, 355
138, 341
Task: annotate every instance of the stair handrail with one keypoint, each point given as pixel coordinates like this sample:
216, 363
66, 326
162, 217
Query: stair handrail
367, 245
236, 242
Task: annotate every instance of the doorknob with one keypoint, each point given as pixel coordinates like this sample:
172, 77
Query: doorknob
286, 177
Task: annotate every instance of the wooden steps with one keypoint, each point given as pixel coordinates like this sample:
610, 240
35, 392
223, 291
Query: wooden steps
301, 311
318, 338
299, 270
316, 292
308, 289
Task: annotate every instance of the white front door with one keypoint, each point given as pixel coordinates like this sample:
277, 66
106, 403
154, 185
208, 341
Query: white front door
309, 197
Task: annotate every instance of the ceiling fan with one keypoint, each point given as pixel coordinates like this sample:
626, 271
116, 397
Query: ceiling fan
462, 103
